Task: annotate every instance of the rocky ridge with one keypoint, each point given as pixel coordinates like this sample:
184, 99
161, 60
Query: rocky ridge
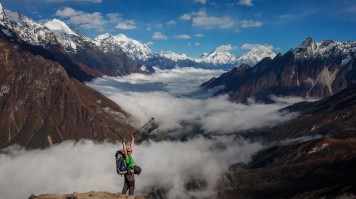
58, 38
111, 60
142, 55
314, 69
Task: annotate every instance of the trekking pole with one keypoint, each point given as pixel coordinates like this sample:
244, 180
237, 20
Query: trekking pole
144, 126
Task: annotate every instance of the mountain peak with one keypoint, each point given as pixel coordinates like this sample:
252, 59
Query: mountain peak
308, 43
308, 48
174, 56
134, 49
122, 36
2, 14
221, 55
104, 36
26, 29
58, 25
311, 48
256, 53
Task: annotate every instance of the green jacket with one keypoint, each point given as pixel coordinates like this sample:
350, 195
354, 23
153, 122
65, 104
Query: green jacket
130, 162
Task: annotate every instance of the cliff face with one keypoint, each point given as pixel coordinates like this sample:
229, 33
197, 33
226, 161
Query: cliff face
42, 104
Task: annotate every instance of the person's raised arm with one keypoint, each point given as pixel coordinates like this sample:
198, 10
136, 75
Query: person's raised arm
132, 141
124, 147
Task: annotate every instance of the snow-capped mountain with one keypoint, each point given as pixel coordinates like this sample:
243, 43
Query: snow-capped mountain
104, 56
313, 69
220, 56
174, 56
137, 51
141, 54
26, 29
105, 50
327, 48
256, 54
66, 36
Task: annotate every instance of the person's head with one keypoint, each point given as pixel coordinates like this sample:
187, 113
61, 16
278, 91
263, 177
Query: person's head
129, 150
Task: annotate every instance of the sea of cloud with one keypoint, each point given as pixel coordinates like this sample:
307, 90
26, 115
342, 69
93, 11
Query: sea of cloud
172, 169
174, 99
86, 166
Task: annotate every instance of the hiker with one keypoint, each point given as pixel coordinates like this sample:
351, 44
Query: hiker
129, 176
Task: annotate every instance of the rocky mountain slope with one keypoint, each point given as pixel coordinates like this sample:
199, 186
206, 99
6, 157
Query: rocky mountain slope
58, 38
110, 60
137, 51
314, 69
311, 156
42, 104
22, 29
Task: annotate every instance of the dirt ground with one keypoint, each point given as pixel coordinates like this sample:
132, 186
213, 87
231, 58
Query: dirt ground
89, 195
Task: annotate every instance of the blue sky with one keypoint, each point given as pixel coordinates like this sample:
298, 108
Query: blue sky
197, 26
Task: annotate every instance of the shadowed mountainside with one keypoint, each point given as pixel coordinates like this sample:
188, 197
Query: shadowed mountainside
41, 104
311, 70
311, 156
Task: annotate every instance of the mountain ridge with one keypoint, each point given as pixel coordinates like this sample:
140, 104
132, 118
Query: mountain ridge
306, 71
43, 100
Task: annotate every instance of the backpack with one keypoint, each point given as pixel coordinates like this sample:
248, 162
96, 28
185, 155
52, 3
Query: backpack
121, 167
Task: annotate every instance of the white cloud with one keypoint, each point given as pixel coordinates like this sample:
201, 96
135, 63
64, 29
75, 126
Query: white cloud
201, 18
94, 20
193, 44
174, 98
199, 35
213, 22
171, 22
225, 48
159, 36
248, 46
149, 43
85, 20
114, 17
183, 36
126, 25
250, 23
86, 166
200, 1
286, 18
66, 12
245, 2
186, 17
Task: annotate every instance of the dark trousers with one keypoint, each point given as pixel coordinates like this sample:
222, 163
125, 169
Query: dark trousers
129, 184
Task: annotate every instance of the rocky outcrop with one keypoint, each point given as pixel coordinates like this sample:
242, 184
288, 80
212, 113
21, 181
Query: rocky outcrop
42, 104
311, 70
